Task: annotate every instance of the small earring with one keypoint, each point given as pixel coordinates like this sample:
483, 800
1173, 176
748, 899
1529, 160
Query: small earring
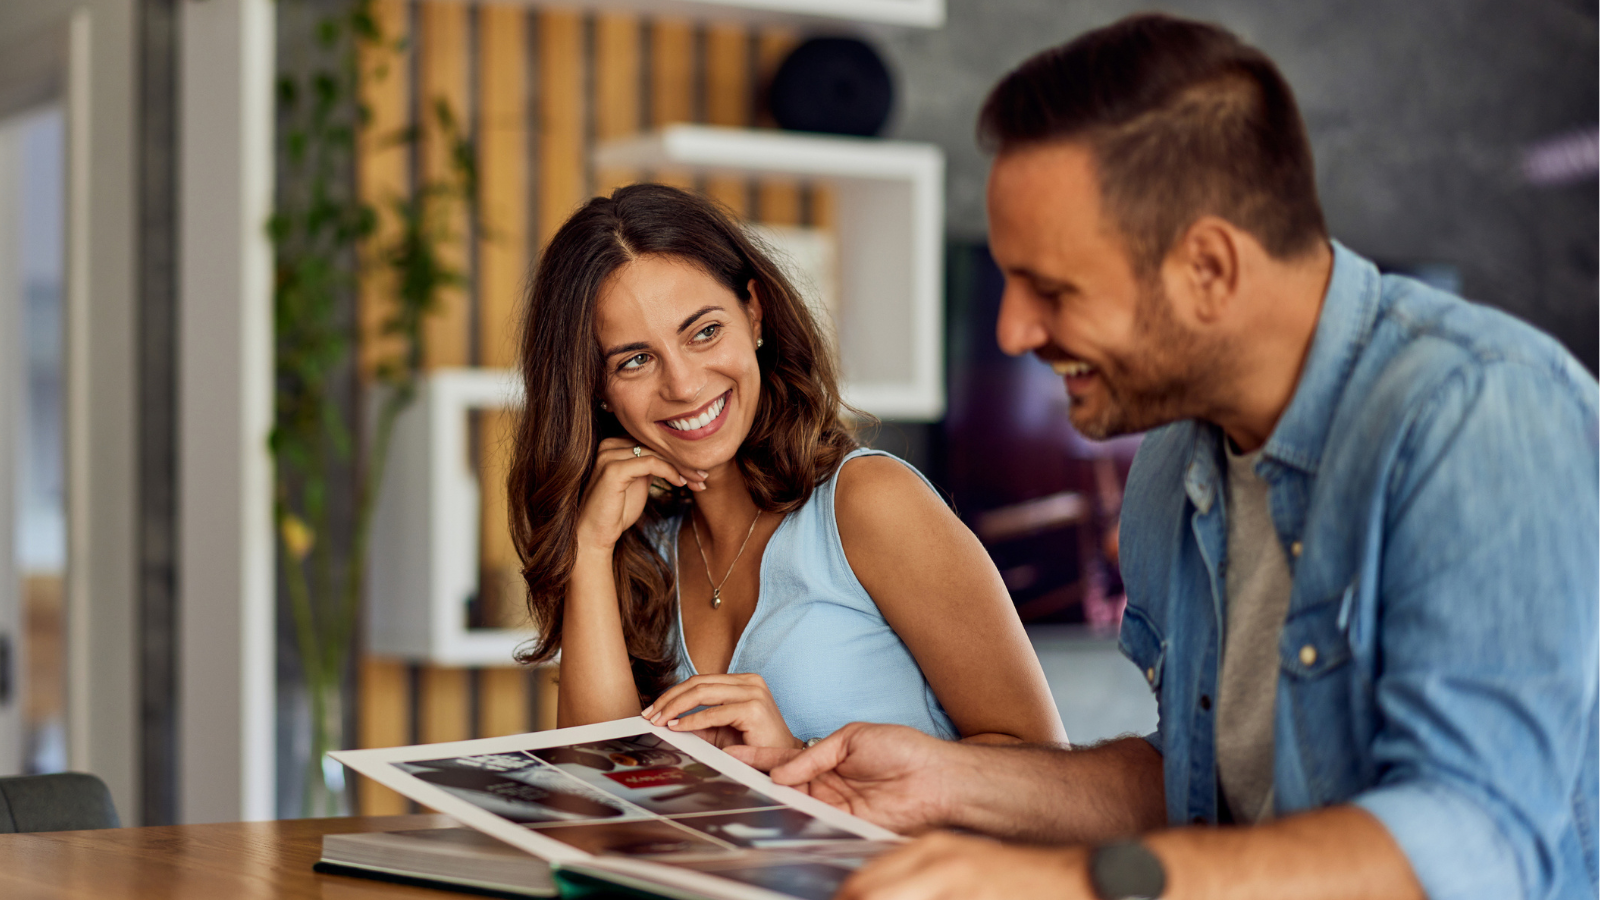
758, 343
604, 406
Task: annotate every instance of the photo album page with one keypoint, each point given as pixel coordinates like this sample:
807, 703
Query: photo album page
637, 805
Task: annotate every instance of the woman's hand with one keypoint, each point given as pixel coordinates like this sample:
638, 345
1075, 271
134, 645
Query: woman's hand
619, 487
741, 711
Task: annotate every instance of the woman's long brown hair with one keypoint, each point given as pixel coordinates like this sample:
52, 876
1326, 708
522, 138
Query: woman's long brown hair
796, 441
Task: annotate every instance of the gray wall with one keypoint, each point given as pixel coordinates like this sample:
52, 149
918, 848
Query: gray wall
1418, 110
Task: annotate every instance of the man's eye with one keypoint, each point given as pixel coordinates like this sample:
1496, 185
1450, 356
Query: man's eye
635, 361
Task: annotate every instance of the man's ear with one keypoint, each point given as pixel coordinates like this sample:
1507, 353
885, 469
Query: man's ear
1205, 263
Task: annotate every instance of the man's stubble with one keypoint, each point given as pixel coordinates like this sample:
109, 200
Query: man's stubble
1164, 380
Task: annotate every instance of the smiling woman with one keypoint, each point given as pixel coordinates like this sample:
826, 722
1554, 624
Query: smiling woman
682, 408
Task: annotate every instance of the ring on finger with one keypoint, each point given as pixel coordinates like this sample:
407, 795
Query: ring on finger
638, 450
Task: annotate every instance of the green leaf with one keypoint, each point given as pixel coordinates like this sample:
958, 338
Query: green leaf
288, 92
328, 31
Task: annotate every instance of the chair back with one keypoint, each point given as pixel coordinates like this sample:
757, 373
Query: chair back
66, 801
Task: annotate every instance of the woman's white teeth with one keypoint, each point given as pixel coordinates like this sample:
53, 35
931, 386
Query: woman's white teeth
702, 420
1071, 368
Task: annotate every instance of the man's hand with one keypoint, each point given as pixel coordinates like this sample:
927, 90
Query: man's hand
892, 775
944, 866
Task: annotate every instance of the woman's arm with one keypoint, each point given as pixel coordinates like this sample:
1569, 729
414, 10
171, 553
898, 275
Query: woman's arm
939, 591
596, 681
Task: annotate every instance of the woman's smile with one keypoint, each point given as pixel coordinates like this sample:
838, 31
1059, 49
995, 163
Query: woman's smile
702, 422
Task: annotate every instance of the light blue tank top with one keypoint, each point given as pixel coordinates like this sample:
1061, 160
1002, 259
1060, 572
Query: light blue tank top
818, 639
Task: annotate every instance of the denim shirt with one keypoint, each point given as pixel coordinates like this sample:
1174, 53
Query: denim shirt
1434, 482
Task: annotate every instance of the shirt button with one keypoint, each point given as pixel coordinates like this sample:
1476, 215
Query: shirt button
1294, 549
1308, 656
1149, 674
1205, 701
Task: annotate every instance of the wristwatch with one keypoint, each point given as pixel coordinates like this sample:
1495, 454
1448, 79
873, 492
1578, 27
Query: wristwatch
1126, 870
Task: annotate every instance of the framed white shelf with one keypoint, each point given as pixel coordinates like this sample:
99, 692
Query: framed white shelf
425, 530
890, 237
900, 13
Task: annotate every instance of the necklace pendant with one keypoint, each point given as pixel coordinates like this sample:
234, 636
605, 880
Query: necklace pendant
716, 598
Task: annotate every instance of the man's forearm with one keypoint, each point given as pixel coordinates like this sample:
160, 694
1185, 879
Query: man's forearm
1331, 854
1048, 795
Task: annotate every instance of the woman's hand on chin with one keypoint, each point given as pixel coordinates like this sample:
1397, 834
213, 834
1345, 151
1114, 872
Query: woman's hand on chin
619, 487
740, 710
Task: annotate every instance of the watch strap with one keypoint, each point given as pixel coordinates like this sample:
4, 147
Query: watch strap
1126, 870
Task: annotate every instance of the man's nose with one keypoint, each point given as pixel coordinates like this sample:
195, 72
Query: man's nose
1021, 326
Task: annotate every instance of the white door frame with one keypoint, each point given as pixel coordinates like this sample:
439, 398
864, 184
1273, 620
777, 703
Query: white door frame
225, 592
86, 49
11, 386
225, 576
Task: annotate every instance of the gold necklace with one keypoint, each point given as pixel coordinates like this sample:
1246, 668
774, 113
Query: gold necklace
716, 589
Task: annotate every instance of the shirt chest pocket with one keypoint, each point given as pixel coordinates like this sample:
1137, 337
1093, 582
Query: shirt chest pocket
1318, 685
1141, 643
1314, 642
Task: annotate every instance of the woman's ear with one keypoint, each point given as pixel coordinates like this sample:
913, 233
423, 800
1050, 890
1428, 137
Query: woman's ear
753, 308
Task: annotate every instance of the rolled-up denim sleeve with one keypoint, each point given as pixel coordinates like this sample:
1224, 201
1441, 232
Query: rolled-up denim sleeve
1488, 618
1154, 740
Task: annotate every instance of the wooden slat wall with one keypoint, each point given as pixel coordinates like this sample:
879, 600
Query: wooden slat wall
672, 92
546, 83
562, 118
383, 172
503, 173
728, 103
777, 200
442, 77
617, 75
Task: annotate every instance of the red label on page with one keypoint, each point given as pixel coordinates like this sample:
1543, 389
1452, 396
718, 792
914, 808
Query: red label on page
639, 779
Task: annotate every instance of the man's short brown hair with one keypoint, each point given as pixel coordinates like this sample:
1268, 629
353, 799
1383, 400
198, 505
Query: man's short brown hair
1183, 119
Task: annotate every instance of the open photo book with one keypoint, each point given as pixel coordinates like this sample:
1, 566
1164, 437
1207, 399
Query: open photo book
623, 802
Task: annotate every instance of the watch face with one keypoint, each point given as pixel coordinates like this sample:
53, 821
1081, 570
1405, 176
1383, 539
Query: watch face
1126, 871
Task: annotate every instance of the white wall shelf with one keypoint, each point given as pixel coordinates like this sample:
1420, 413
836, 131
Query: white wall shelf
898, 13
426, 527
890, 224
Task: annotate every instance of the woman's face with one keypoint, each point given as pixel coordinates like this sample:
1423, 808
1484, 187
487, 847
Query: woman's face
680, 360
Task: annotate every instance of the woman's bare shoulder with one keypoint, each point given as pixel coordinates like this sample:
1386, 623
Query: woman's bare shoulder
879, 497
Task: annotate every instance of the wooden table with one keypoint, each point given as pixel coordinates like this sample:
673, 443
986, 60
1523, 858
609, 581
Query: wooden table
232, 861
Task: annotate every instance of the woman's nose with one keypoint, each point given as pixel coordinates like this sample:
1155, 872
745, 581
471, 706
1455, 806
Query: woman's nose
683, 380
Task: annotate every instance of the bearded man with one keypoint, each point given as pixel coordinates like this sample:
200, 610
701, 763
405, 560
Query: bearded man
1360, 544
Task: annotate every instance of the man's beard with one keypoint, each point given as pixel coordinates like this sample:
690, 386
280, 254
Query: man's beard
1164, 382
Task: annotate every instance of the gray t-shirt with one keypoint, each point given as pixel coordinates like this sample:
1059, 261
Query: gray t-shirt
1258, 586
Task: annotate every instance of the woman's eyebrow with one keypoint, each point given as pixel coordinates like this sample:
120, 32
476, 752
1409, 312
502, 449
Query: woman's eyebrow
627, 348
697, 314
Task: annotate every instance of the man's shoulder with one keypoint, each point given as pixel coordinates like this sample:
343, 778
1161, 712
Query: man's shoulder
1164, 452
1156, 479
1425, 339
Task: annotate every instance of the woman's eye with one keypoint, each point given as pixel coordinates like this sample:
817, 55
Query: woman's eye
635, 361
708, 332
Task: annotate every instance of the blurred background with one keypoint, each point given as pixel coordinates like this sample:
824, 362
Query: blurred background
260, 268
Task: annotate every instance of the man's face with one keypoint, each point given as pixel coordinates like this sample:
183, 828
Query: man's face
1072, 298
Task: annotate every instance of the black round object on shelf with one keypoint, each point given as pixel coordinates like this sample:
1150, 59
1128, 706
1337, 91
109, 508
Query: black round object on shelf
835, 85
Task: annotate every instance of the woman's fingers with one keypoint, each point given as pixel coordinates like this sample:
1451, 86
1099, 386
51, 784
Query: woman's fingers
740, 715
611, 453
667, 708
672, 694
622, 472
689, 683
